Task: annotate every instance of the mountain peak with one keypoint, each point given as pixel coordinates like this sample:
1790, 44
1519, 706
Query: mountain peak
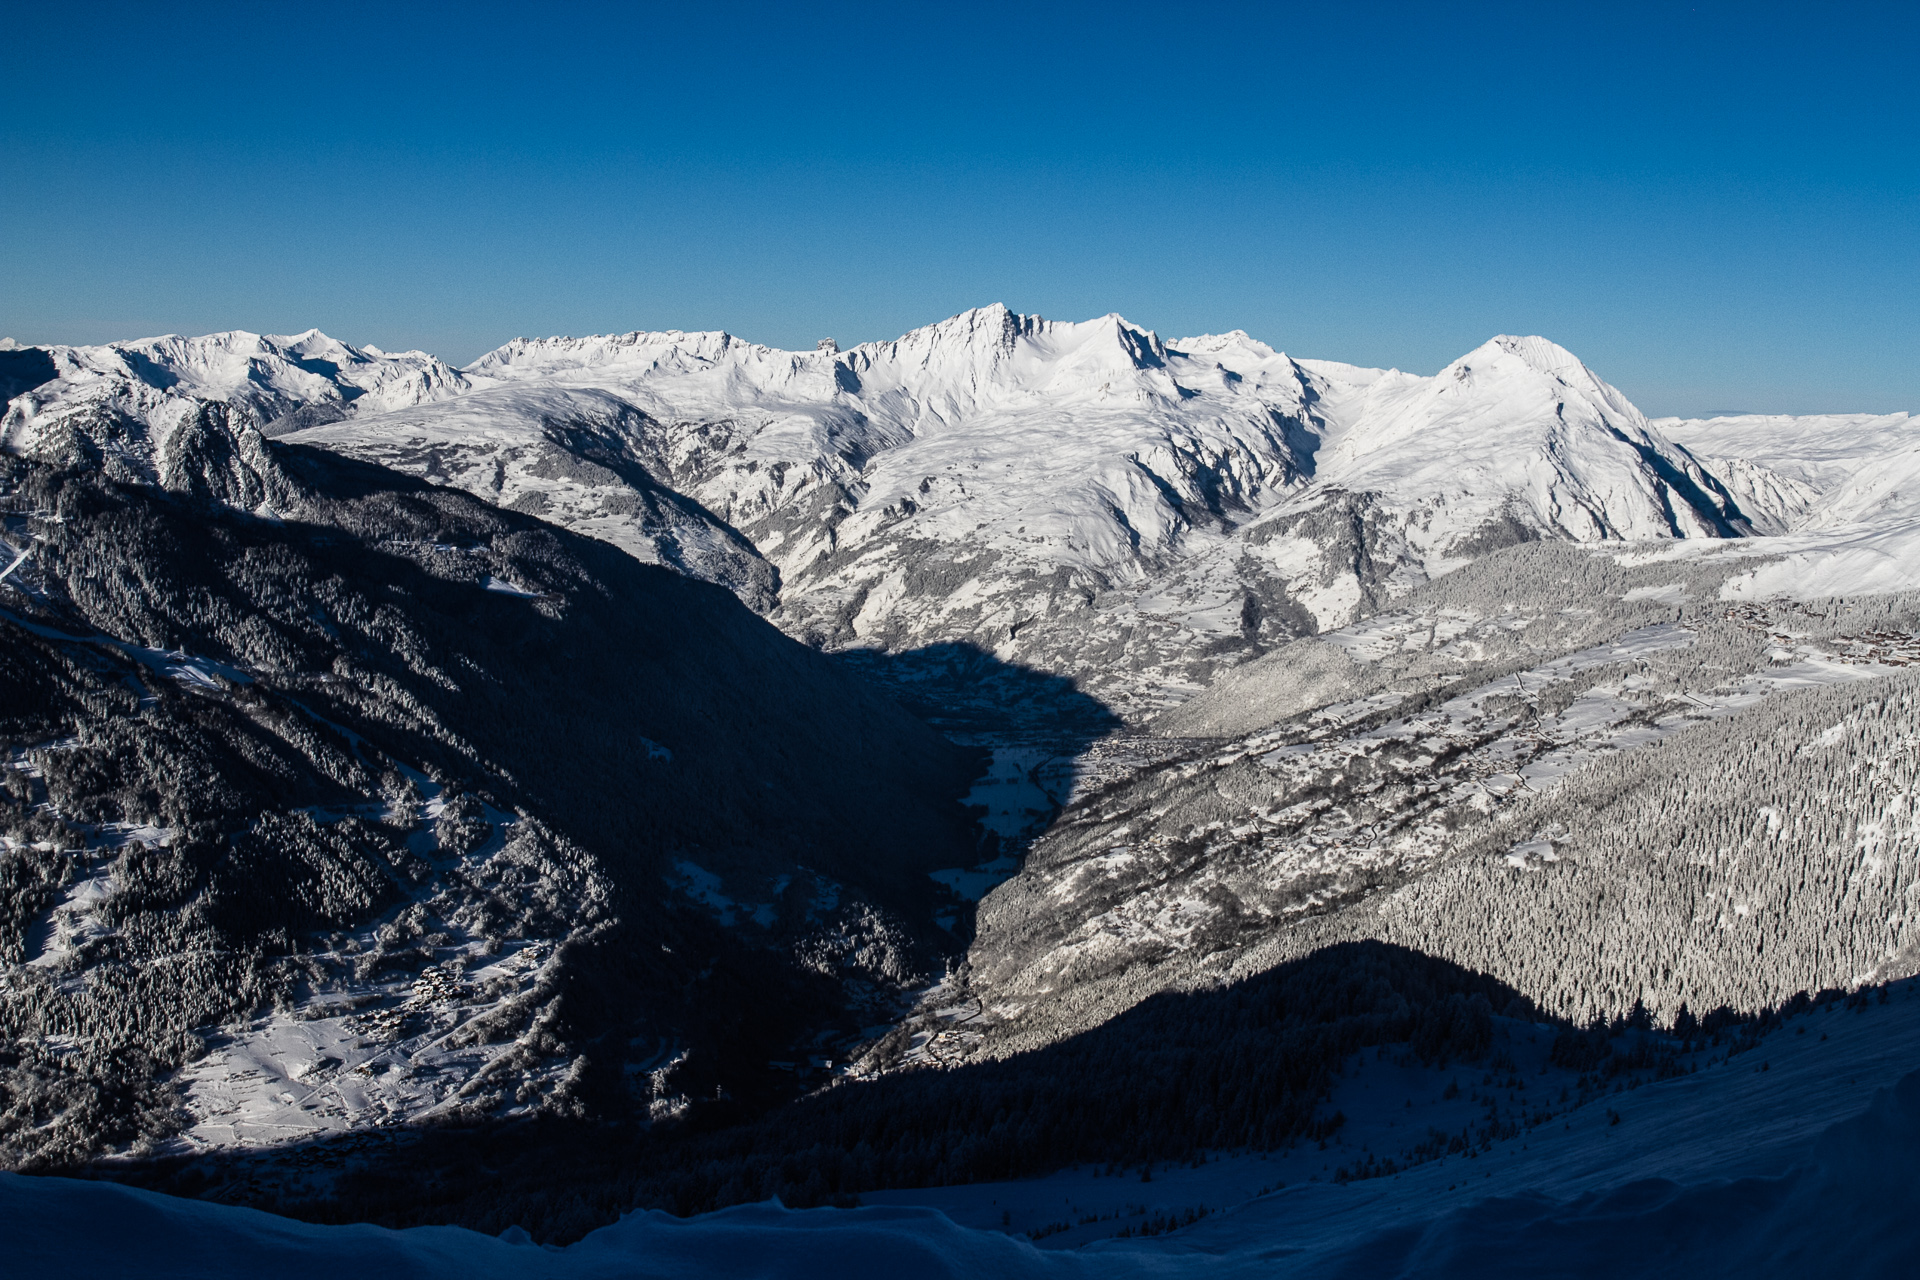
1491, 368
1542, 355
532, 357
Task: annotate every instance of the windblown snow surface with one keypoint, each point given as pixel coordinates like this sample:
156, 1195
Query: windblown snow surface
1797, 1157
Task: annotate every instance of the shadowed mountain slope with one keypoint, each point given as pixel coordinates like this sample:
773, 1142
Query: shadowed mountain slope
420, 807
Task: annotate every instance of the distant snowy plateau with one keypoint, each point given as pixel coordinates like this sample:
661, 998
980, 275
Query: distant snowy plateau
1535, 714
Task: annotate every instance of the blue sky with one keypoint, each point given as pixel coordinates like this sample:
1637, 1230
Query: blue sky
1716, 206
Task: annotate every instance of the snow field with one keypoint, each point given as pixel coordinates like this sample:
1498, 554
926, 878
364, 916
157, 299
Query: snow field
374, 1055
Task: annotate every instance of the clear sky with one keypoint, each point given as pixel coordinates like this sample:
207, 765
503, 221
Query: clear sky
1716, 206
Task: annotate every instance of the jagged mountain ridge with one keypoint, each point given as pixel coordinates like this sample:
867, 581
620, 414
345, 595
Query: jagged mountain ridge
1088, 499
1073, 496
264, 377
901, 489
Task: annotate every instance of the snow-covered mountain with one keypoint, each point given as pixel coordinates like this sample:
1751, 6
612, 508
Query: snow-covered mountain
479, 819
577, 456
143, 410
262, 378
1084, 499
1844, 487
1087, 499
1818, 471
1516, 428
325, 816
970, 481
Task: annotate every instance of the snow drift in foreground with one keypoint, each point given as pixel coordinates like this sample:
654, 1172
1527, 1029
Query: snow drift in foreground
1845, 1207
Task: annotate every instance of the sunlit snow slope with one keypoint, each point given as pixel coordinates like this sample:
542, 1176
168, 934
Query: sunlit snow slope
1842, 489
262, 378
1084, 498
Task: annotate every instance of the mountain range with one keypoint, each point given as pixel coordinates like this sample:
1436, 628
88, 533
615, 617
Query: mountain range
1086, 499
933, 762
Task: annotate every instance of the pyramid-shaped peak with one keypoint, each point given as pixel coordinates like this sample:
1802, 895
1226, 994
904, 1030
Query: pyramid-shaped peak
994, 325
1512, 369
1541, 354
312, 342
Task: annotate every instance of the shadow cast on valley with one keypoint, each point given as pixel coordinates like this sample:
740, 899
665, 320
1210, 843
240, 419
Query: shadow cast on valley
1032, 727
972, 696
612, 725
1249, 1066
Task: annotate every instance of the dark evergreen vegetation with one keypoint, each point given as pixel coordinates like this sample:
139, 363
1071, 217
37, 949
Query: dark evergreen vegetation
235, 723
293, 732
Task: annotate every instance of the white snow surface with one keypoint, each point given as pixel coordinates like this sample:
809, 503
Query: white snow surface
1082, 497
1798, 1157
1113, 435
1866, 559
1843, 490
261, 376
1817, 471
1085, 498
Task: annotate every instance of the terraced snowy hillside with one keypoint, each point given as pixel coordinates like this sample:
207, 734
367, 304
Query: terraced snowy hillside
1452, 760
